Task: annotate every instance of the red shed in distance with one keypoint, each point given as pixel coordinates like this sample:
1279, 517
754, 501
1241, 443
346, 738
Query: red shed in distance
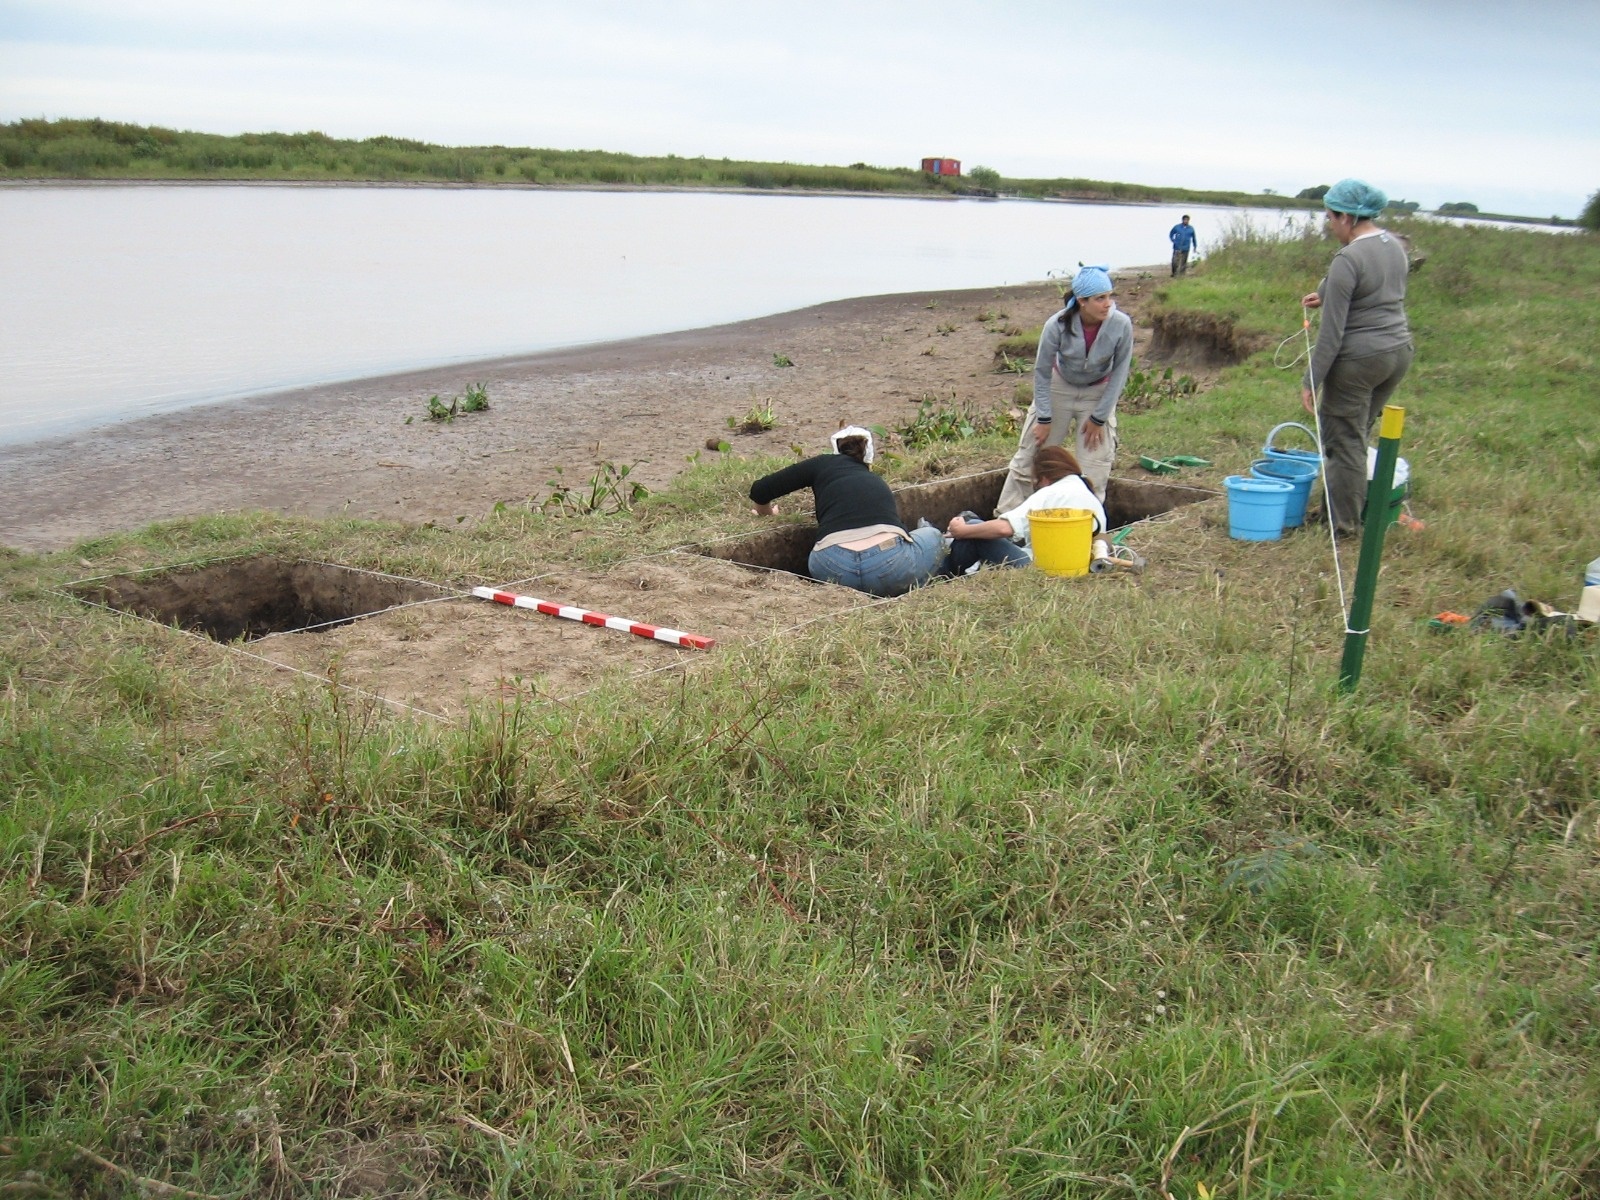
942, 166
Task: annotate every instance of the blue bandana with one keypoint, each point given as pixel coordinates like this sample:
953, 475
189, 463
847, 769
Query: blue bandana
1091, 281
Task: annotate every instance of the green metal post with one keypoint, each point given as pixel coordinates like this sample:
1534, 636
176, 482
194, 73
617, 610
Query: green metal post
1379, 491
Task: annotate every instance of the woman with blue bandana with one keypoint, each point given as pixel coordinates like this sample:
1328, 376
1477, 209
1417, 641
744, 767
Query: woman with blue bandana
1363, 347
1085, 353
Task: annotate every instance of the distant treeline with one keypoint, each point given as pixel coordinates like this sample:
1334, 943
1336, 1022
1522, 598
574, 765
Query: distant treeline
1140, 193
95, 149
1511, 217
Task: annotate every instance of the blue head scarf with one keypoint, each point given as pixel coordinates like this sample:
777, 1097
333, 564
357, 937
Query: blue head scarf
1355, 198
1091, 281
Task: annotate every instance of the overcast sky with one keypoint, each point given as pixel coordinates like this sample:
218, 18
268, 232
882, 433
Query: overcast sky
1431, 100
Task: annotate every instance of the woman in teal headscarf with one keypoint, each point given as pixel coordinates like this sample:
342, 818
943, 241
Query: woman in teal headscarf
1363, 346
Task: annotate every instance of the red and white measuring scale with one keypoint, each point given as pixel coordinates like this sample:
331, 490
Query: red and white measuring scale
675, 637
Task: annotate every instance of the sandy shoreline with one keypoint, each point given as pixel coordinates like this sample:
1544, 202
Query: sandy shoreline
366, 448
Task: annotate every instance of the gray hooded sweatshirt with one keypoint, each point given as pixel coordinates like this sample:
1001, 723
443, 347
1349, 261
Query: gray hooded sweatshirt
1363, 303
1061, 350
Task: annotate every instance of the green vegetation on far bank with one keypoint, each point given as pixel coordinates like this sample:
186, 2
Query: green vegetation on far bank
110, 150
94, 149
1471, 211
1589, 218
1015, 887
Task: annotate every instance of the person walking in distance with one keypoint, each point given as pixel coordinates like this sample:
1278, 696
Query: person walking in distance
1183, 238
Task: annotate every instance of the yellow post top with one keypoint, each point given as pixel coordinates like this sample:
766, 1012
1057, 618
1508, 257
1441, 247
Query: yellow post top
1394, 421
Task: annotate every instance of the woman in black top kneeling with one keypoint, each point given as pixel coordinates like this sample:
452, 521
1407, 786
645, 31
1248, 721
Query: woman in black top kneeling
860, 541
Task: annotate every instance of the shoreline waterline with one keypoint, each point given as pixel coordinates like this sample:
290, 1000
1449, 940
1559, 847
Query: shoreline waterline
129, 301
447, 373
367, 449
1277, 203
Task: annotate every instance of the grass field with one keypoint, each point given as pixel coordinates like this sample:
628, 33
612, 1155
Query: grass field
1018, 887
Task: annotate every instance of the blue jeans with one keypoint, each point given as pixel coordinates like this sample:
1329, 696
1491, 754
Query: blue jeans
890, 570
999, 552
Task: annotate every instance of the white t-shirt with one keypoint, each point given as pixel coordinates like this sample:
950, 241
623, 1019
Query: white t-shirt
1070, 492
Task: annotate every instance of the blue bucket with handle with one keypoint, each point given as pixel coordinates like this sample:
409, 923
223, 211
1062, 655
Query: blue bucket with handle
1256, 508
1299, 474
1273, 451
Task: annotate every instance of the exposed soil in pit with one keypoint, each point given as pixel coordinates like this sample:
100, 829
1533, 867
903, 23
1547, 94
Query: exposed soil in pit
367, 631
438, 657
253, 597
788, 547
1203, 340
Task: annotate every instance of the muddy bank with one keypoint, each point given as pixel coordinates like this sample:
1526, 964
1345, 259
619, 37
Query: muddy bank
367, 448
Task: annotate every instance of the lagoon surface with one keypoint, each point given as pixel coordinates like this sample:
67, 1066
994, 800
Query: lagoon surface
123, 301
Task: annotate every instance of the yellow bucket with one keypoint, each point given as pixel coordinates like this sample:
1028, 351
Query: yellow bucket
1060, 538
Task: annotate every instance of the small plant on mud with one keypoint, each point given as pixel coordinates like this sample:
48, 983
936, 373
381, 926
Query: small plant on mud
1012, 365
476, 399
1147, 389
945, 328
608, 491
759, 419
952, 422
782, 360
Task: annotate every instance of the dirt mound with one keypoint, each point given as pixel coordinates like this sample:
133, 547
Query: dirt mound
1200, 339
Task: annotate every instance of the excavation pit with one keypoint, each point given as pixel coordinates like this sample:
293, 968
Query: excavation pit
250, 598
788, 547
1200, 339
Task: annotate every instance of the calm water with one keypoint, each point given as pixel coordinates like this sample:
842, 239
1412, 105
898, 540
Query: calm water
118, 302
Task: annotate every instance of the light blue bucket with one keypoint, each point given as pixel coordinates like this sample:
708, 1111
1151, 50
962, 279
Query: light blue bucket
1299, 475
1300, 456
1256, 508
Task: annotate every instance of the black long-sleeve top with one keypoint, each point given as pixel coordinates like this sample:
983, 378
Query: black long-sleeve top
849, 495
